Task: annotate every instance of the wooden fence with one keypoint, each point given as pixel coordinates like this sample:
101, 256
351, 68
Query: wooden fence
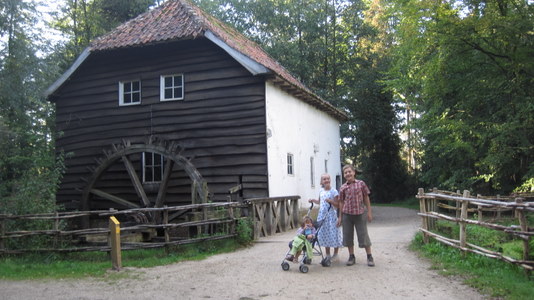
209, 221
484, 210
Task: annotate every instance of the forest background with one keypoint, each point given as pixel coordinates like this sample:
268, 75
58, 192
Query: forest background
439, 93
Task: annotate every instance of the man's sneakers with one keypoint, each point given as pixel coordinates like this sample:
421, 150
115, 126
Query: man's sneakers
370, 260
352, 260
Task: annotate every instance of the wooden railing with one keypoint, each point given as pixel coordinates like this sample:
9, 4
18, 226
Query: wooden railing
274, 215
211, 221
429, 211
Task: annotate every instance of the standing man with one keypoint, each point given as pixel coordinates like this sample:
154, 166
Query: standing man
355, 211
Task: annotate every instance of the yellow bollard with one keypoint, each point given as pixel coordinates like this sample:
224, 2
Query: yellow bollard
115, 240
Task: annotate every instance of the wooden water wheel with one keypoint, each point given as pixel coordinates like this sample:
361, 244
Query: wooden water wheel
121, 161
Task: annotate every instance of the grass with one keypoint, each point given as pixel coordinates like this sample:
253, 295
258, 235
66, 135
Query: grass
98, 264
490, 276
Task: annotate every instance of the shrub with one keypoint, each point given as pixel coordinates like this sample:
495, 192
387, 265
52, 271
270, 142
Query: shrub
245, 231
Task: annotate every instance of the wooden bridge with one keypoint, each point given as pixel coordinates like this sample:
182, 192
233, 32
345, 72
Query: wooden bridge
273, 215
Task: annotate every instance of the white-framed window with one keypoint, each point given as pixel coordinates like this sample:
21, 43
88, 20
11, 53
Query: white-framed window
172, 87
290, 170
326, 166
312, 171
130, 92
152, 167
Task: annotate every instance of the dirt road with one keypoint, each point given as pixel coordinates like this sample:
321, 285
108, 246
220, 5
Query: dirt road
255, 273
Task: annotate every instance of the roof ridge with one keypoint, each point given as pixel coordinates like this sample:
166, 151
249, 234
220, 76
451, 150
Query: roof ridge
208, 20
190, 7
176, 20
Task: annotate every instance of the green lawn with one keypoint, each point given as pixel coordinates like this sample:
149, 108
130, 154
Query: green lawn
490, 276
96, 264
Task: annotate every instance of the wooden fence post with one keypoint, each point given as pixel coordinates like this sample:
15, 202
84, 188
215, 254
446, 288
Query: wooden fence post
295, 212
165, 222
499, 208
463, 217
56, 229
232, 228
422, 209
458, 204
115, 243
524, 227
2, 232
479, 209
268, 218
282, 214
255, 217
433, 207
205, 209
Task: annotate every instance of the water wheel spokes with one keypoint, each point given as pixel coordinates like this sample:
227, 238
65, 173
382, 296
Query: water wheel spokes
114, 198
162, 191
127, 153
135, 180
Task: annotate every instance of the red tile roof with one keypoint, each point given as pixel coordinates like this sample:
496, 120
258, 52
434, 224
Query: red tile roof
180, 19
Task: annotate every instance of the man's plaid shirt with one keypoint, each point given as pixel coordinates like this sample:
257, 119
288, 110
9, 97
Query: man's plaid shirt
352, 196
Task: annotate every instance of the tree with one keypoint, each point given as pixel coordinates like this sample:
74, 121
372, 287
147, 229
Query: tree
84, 20
28, 169
373, 126
329, 46
466, 68
111, 13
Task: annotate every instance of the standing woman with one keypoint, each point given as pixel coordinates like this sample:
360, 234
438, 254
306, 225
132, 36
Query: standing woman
329, 235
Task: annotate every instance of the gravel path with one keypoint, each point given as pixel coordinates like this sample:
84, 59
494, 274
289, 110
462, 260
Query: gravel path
255, 273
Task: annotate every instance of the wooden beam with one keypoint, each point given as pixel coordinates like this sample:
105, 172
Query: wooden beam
160, 199
114, 198
135, 180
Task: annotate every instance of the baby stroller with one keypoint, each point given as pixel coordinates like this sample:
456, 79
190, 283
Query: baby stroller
305, 260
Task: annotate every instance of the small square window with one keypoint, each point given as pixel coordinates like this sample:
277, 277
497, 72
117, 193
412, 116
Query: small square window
172, 87
129, 92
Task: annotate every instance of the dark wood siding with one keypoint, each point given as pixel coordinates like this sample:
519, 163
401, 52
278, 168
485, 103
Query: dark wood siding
220, 123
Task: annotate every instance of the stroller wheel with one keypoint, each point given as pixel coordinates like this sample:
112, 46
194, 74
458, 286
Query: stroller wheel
303, 268
285, 266
326, 262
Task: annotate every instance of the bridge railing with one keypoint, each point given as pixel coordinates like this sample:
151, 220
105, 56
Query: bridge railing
274, 215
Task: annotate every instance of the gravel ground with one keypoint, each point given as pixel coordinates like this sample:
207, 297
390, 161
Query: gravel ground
256, 273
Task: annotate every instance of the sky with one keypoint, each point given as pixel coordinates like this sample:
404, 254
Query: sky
46, 8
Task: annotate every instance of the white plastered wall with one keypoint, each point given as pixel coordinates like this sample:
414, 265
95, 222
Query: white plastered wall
296, 127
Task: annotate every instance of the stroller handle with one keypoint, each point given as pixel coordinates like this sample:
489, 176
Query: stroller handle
310, 209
